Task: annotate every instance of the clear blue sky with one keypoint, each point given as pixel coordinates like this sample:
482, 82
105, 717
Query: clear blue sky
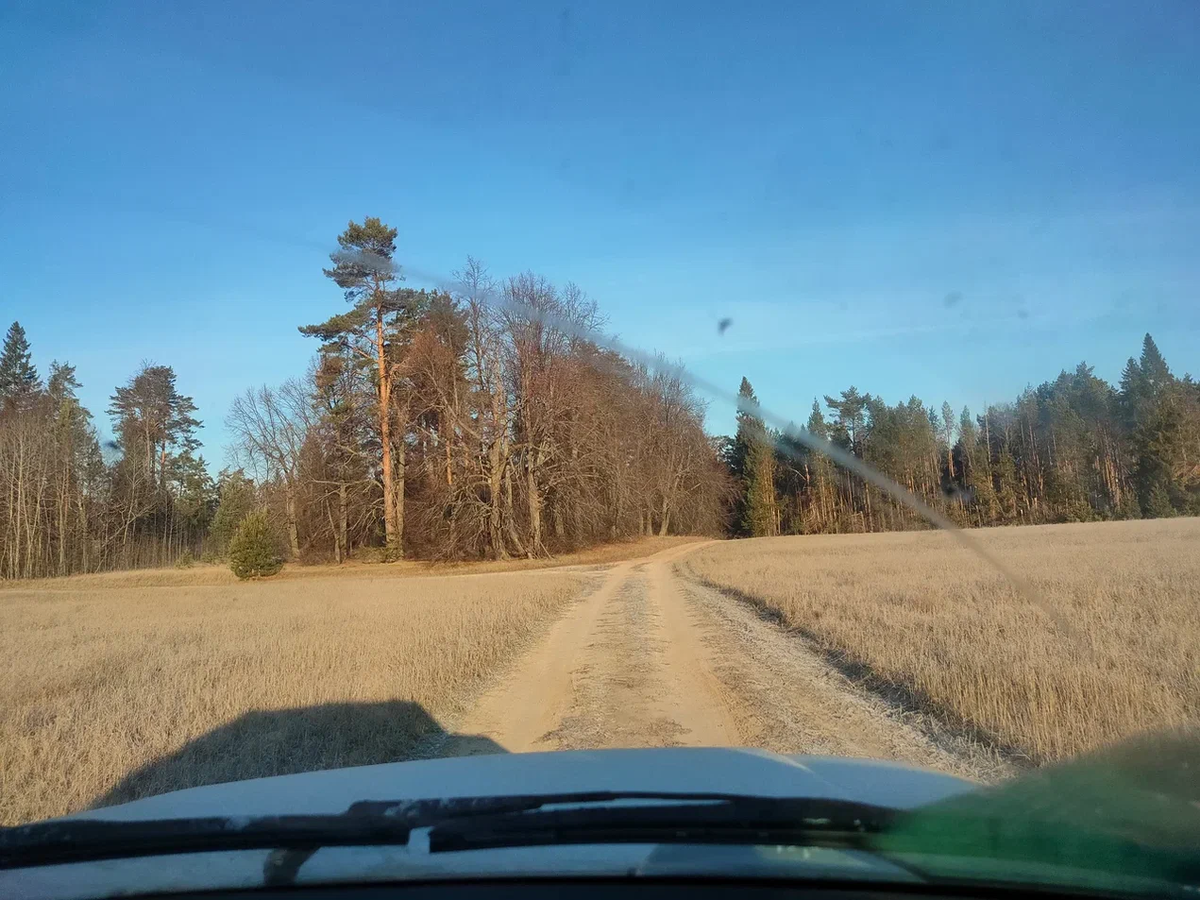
943, 198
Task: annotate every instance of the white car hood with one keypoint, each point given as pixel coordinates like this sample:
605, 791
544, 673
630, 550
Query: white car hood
673, 770
682, 770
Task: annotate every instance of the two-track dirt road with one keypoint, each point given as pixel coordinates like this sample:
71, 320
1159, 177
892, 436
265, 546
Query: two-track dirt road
650, 658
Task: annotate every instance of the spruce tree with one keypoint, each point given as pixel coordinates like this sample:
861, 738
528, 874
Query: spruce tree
821, 493
754, 456
1006, 494
1158, 503
18, 377
237, 501
1154, 371
1162, 433
254, 550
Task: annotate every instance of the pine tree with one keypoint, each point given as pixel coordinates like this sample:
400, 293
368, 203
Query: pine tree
1008, 490
820, 470
1154, 371
987, 504
968, 437
236, 501
850, 419
254, 550
977, 469
1163, 418
816, 421
1158, 503
18, 377
740, 448
1142, 383
761, 503
946, 427
753, 460
195, 493
377, 328
151, 419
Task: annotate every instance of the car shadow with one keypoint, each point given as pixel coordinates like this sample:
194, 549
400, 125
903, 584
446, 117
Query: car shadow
309, 739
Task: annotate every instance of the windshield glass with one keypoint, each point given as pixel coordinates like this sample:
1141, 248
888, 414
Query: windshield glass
415, 382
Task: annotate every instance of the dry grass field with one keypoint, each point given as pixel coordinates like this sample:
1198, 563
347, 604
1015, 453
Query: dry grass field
918, 616
111, 689
127, 684
211, 574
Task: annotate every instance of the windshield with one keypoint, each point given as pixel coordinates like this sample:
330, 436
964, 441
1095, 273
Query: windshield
413, 382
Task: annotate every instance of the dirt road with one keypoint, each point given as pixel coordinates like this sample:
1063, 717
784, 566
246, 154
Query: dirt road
649, 658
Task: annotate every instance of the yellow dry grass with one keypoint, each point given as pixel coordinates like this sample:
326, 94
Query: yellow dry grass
211, 574
106, 695
918, 615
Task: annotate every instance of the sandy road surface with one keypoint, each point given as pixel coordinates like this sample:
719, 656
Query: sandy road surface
651, 658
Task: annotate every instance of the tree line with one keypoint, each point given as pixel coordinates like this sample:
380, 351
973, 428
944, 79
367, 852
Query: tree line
1074, 449
482, 423
479, 423
473, 424
69, 504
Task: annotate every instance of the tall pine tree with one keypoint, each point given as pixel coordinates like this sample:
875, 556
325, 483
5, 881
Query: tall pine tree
821, 475
377, 329
1161, 416
1156, 376
754, 456
18, 377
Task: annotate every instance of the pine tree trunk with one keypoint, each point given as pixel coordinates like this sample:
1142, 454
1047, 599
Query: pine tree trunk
390, 527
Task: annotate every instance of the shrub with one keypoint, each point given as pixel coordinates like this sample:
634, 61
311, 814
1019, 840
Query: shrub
1158, 505
254, 550
237, 501
186, 560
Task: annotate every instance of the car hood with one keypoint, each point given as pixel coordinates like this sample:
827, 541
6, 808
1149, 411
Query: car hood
671, 770
1124, 818
682, 770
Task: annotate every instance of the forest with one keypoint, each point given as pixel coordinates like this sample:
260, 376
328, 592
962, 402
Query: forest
1074, 449
483, 422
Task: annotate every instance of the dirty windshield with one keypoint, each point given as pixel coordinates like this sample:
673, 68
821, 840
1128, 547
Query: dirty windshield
403, 381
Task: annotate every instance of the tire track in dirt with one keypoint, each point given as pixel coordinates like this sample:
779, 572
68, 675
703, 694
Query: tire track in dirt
613, 672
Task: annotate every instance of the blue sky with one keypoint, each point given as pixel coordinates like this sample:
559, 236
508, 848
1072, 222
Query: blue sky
942, 198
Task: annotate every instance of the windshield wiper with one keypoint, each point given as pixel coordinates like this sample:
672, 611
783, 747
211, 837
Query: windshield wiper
464, 823
722, 819
49, 843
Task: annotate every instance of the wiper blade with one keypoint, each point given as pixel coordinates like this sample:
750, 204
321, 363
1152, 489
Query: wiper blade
46, 843
712, 818
437, 811
464, 823
430, 812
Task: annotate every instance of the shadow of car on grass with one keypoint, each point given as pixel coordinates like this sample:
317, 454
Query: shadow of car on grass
307, 739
